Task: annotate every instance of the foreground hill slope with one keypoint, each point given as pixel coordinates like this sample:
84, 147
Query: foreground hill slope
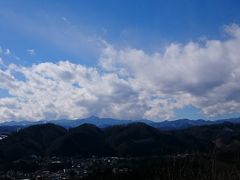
85, 140
221, 138
141, 139
137, 139
32, 140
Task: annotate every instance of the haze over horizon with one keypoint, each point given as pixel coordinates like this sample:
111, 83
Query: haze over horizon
151, 60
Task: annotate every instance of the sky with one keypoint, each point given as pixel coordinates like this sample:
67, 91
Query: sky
139, 59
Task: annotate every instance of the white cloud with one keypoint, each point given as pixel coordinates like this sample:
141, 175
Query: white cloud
4, 51
208, 74
50, 91
7, 52
129, 83
31, 52
66, 21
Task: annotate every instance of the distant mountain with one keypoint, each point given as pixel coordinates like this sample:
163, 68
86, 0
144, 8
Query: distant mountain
181, 124
100, 122
21, 123
106, 122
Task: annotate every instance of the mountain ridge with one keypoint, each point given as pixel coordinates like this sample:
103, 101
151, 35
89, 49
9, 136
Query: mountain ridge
105, 122
136, 139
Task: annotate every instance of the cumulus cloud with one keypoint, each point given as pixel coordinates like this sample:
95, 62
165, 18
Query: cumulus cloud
129, 83
207, 73
63, 90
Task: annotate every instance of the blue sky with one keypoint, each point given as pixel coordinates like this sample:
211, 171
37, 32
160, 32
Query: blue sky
37, 33
148, 25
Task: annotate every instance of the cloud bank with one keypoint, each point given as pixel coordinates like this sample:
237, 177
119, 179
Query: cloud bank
129, 83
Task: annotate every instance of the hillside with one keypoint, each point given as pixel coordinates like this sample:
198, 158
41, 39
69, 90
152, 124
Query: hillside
137, 139
32, 140
85, 140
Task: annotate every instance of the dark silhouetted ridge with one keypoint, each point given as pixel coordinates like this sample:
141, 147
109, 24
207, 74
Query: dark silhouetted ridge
85, 140
33, 140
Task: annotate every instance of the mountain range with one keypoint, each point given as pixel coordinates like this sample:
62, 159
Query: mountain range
136, 139
11, 126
